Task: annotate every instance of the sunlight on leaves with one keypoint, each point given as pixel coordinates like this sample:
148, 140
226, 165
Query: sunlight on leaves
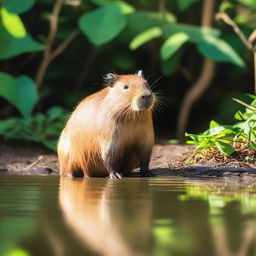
172, 44
17, 252
13, 23
145, 37
12, 46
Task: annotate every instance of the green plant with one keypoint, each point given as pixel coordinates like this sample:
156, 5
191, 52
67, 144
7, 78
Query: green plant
41, 128
105, 25
227, 138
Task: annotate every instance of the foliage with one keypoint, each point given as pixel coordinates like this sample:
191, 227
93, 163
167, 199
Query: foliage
226, 137
110, 20
13, 23
41, 128
172, 44
17, 252
21, 92
125, 26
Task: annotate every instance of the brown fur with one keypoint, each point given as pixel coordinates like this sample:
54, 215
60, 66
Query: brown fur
106, 134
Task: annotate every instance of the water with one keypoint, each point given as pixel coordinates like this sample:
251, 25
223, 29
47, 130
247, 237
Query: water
129, 217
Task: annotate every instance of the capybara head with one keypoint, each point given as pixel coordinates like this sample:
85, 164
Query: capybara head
132, 90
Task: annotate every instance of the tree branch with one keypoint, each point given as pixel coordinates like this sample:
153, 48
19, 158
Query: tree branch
206, 76
64, 44
244, 104
49, 55
249, 43
252, 39
223, 16
53, 26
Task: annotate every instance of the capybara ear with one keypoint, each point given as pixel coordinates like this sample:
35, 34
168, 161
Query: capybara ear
109, 79
139, 73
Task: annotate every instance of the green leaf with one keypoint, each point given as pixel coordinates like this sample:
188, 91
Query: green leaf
141, 21
252, 145
214, 124
103, 24
17, 252
18, 6
125, 7
224, 6
196, 34
213, 131
217, 49
249, 3
238, 116
54, 113
145, 37
252, 96
7, 124
172, 44
225, 148
185, 4
12, 46
21, 92
13, 23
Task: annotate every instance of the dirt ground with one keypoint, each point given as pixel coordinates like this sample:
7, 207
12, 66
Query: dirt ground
25, 158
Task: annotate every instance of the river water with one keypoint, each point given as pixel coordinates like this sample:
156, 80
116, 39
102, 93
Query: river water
49, 215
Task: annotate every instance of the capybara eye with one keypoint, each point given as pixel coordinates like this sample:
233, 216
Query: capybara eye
126, 87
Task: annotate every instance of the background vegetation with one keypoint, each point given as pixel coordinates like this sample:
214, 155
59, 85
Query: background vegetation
53, 53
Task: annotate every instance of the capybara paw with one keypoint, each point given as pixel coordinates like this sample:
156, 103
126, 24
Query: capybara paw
115, 175
147, 174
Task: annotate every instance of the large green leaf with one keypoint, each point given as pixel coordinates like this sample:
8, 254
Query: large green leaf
21, 92
196, 34
12, 46
103, 24
172, 44
18, 6
141, 21
217, 49
12, 23
145, 37
208, 42
225, 148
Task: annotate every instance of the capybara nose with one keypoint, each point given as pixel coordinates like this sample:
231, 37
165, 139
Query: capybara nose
147, 96
147, 99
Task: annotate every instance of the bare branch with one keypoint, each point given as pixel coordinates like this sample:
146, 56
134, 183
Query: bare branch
203, 81
252, 39
223, 16
64, 44
48, 46
53, 26
244, 104
49, 55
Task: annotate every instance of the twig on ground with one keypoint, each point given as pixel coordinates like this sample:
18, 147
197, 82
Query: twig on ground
39, 158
